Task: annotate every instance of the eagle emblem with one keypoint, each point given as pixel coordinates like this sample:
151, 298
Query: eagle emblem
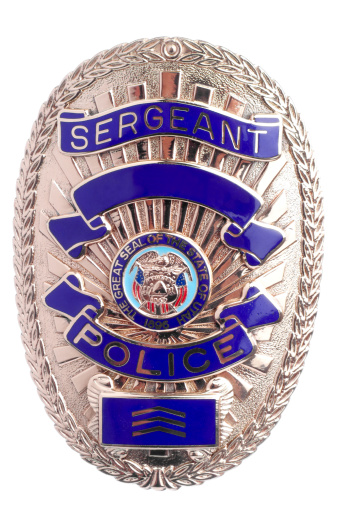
160, 284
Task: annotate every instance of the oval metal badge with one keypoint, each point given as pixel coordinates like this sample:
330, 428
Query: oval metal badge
168, 250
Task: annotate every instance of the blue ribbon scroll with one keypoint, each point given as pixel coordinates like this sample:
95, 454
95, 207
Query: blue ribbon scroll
227, 347
207, 187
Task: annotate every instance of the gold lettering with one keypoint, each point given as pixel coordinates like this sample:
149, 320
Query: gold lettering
220, 352
120, 346
173, 117
156, 118
140, 369
125, 125
84, 336
256, 134
84, 146
195, 369
235, 144
99, 132
208, 128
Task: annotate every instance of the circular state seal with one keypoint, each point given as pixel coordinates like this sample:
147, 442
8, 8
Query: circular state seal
167, 258
160, 281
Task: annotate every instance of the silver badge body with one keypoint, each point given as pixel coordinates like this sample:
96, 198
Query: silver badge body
174, 281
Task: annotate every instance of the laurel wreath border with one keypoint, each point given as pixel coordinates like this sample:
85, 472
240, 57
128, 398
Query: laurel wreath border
222, 60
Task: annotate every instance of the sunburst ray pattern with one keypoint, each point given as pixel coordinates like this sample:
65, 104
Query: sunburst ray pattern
199, 223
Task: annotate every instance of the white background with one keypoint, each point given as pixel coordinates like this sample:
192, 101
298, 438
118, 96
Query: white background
296, 43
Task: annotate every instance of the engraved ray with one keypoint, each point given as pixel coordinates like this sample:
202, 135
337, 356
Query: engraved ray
167, 147
95, 289
158, 213
205, 316
218, 254
66, 353
117, 232
88, 263
217, 159
205, 226
117, 156
143, 149
276, 209
262, 333
192, 335
93, 164
137, 92
234, 105
238, 275
175, 213
142, 215
192, 150
127, 221
170, 85
102, 158
290, 238
203, 94
58, 200
120, 327
259, 362
101, 254
272, 277
55, 266
207, 328
169, 387
43, 219
229, 259
198, 222
241, 387
281, 299
214, 238
68, 167
89, 413
242, 169
110, 246
190, 219
61, 324
81, 380
104, 101
269, 174
135, 217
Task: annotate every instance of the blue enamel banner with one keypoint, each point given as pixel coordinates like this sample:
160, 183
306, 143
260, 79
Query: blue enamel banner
259, 138
152, 361
211, 188
158, 422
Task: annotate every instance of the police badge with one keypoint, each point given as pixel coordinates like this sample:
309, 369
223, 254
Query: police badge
168, 240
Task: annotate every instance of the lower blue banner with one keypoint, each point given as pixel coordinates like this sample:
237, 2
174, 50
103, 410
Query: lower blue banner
158, 422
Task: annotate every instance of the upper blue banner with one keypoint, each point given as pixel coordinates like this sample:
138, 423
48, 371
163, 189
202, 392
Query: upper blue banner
259, 138
210, 188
